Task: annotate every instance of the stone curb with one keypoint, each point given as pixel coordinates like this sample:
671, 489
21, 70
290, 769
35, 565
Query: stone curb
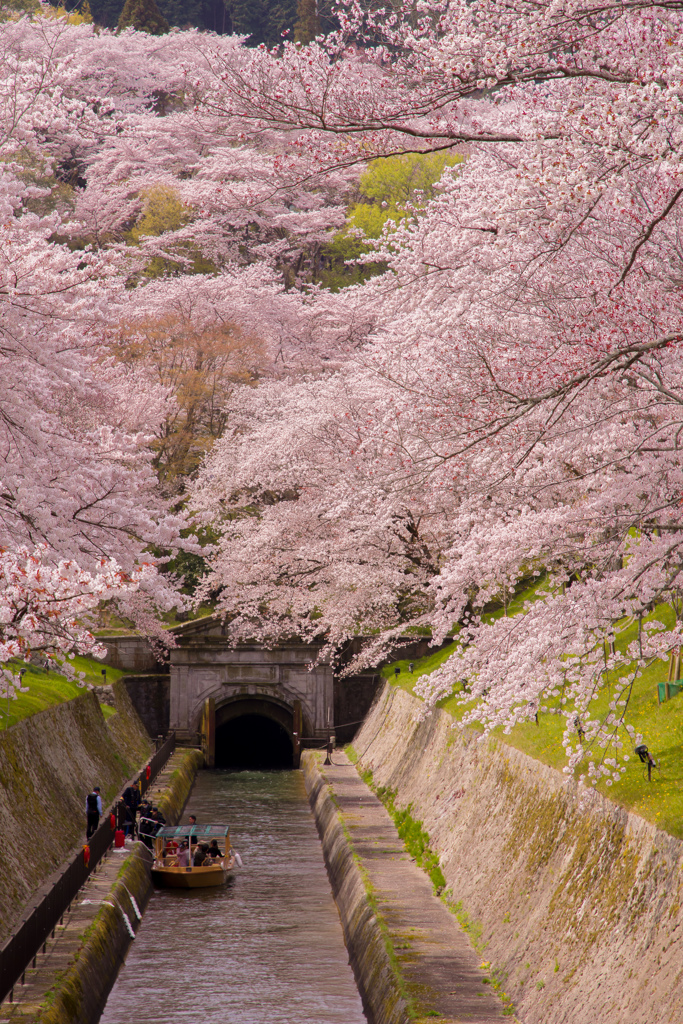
376, 977
81, 992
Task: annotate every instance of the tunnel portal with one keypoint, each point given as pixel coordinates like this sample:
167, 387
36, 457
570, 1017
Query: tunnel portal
253, 741
252, 732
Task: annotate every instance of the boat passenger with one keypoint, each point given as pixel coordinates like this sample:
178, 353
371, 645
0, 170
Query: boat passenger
213, 850
183, 856
200, 854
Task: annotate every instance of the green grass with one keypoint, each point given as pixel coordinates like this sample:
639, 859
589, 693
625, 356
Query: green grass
411, 831
114, 625
417, 842
421, 667
48, 688
660, 801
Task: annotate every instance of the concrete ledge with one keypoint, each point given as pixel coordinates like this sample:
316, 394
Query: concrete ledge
577, 903
377, 978
79, 992
171, 794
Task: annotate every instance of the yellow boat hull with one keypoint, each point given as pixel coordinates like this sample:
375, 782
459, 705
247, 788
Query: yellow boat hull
192, 877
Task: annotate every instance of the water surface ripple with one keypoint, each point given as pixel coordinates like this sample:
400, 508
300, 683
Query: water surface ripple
265, 949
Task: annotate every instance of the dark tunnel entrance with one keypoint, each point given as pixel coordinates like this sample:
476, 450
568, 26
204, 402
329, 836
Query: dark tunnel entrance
252, 741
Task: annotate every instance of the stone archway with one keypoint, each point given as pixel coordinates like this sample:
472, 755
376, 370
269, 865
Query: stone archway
256, 731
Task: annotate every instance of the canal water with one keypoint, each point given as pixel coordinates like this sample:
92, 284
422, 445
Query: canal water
265, 949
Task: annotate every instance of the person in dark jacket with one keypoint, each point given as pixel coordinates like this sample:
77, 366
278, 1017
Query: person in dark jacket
93, 812
200, 855
158, 816
122, 816
147, 829
131, 795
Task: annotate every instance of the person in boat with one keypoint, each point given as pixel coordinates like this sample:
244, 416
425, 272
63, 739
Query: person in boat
183, 855
200, 855
213, 850
192, 820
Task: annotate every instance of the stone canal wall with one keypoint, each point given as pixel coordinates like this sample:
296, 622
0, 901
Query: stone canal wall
80, 991
48, 764
72, 982
576, 903
377, 980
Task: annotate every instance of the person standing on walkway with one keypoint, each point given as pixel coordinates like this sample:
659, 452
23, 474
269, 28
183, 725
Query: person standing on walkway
122, 816
93, 811
133, 799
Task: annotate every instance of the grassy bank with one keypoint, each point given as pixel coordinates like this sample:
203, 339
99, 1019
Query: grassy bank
659, 801
46, 688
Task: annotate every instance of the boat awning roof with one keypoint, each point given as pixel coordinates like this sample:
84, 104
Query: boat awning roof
194, 831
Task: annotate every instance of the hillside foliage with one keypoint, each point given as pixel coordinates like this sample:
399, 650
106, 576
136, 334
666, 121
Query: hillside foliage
486, 395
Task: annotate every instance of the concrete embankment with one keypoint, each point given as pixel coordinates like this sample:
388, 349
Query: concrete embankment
576, 902
73, 978
48, 763
411, 960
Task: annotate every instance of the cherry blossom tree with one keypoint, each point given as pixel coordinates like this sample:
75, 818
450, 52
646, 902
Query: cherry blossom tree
76, 476
501, 405
517, 400
45, 607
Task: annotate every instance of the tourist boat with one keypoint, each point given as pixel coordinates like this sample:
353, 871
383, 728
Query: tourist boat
169, 843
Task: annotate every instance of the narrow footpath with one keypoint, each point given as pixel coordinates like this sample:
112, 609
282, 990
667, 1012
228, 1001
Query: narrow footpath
33, 999
440, 969
30, 999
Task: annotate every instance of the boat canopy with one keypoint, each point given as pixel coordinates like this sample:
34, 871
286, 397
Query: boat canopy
193, 831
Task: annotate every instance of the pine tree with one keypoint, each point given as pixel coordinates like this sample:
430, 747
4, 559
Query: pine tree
106, 12
307, 24
263, 21
183, 13
145, 16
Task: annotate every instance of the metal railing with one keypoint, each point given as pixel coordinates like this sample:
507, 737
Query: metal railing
156, 763
21, 950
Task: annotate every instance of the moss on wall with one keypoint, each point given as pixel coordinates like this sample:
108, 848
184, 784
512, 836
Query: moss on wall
81, 992
172, 801
130, 737
373, 959
48, 764
572, 900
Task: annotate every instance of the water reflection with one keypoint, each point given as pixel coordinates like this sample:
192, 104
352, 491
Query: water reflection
265, 949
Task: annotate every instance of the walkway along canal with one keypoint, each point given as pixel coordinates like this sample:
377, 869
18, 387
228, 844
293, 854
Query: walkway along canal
265, 949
